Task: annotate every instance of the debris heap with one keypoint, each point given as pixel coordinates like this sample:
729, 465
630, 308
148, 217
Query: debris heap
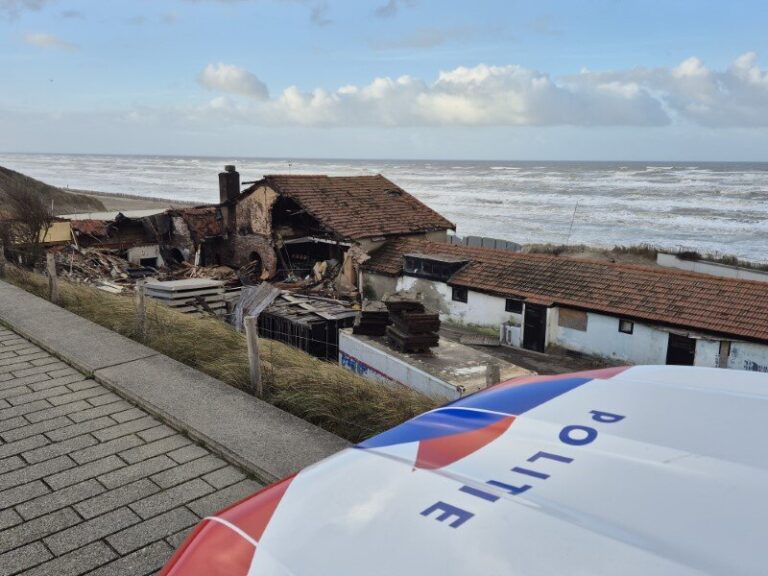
104, 268
413, 329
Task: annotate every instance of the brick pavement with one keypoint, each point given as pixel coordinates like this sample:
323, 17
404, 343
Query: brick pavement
90, 484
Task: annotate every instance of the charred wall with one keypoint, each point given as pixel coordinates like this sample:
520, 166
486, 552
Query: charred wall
254, 212
243, 248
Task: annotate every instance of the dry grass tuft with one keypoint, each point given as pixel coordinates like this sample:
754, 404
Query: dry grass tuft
320, 392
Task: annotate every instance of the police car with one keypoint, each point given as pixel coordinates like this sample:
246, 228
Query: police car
648, 470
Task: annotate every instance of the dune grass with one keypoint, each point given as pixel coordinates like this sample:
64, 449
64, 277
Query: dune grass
646, 251
320, 392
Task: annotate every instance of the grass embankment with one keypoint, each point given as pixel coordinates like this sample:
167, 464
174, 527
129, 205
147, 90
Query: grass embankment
645, 251
638, 254
62, 202
319, 392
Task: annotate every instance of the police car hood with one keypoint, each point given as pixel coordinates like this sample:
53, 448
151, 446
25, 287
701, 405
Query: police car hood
645, 470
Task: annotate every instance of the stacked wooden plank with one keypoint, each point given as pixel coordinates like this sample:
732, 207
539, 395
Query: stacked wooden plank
413, 329
192, 296
372, 320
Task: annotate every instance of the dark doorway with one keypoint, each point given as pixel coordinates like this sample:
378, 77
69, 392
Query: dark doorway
681, 350
535, 327
176, 256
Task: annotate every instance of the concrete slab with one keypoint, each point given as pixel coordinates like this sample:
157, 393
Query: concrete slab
245, 430
79, 342
447, 372
184, 285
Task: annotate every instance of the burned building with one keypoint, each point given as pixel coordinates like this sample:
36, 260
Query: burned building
309, 233
309, 219
294, 226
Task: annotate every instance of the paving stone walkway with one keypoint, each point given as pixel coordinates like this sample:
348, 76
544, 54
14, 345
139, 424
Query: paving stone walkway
90, 484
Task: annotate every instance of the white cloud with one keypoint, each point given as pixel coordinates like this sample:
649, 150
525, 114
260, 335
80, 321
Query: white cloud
233, 79
510, 95
42, 40
12, 9
734, 97
690, 68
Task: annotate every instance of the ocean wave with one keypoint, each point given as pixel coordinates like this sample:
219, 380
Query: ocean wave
710, 205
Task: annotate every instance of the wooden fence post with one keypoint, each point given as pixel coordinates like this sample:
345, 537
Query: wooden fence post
53, 281
141, 310
252, 336
492, 374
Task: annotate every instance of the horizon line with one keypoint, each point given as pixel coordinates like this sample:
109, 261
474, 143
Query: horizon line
383, 159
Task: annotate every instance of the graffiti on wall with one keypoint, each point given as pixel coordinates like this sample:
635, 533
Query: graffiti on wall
754, 366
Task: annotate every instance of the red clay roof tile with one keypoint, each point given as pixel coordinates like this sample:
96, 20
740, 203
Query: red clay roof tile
686, 299
356, 207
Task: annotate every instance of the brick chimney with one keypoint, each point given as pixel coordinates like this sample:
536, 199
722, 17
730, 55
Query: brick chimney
229, 189
229, 184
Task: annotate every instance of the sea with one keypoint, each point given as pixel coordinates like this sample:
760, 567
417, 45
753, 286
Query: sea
718, 208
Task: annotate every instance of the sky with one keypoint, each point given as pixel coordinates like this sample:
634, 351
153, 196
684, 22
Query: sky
421, 79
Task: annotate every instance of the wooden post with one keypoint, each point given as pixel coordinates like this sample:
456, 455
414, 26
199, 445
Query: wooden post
2, 259
53, 281
252, 336
141, 310
492, 374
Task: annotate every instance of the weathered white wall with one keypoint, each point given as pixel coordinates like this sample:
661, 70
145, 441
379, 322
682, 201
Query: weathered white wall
646, 345
707, 353
436, 236
136, 254
711, 268
374, 364
748, 356
479, 309
511, 335
376, 286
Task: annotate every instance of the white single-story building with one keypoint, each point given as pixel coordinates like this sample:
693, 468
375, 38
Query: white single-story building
627, 313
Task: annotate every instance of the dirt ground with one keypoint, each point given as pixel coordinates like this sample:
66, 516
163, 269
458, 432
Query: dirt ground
550, 363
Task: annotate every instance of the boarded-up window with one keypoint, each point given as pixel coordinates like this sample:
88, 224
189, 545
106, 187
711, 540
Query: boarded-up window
573, 319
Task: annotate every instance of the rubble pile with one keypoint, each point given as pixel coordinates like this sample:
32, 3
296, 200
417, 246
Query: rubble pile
413, 329
325, 280
102, 268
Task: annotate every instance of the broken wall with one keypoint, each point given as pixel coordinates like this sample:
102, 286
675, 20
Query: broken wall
182, 240
254, 212
376, 286
243, 247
